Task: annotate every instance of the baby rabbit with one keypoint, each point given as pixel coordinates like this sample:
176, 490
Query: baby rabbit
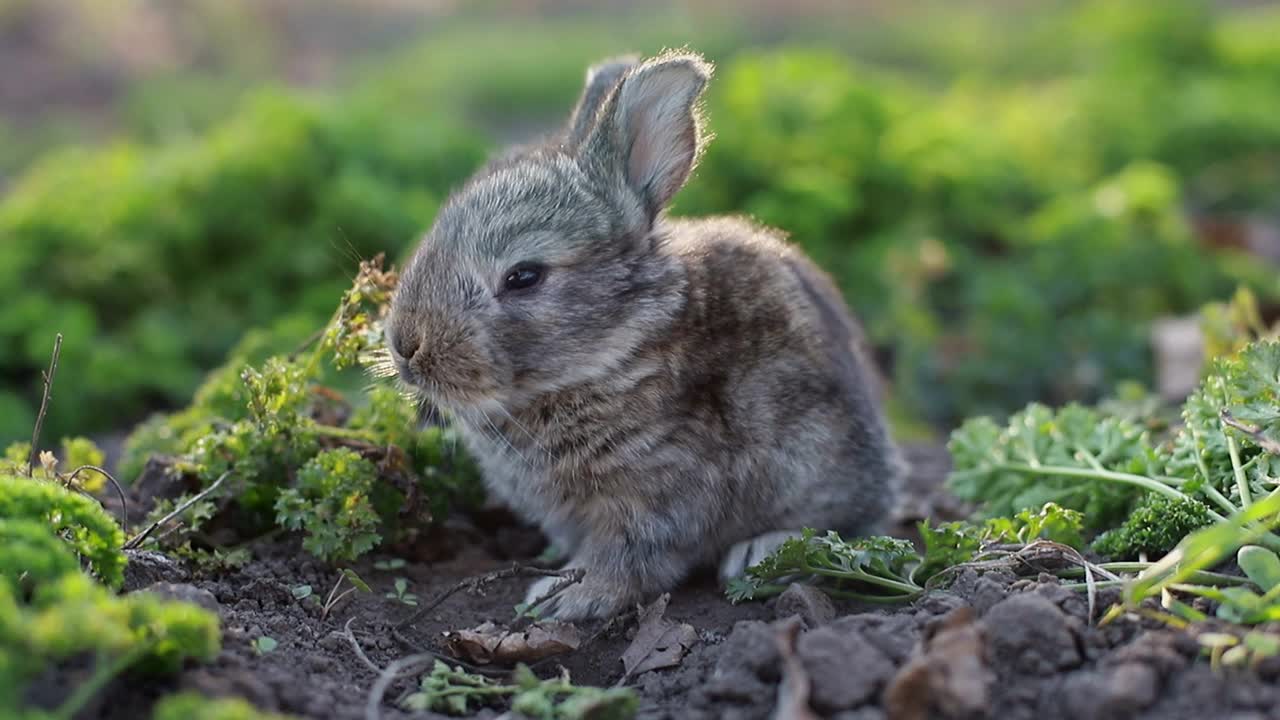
657, 394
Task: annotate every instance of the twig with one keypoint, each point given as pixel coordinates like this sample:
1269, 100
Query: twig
486, 670
314, 338
1255, 434
475, 583
355, 645
44, 405
124, 503
137, 539
372, 709
571, 577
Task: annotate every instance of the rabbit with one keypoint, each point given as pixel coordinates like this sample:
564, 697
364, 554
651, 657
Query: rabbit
659, 395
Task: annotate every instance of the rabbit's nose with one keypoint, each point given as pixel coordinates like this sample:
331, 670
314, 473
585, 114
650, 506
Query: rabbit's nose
406, 345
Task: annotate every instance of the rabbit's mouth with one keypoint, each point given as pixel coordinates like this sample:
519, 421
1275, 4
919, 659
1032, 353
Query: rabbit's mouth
453, 383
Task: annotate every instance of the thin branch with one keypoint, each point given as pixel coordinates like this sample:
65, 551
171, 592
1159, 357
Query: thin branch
472, 584
124, 503
137, 539
355, 645
44, 405
372, 706
1255, 434
570, 577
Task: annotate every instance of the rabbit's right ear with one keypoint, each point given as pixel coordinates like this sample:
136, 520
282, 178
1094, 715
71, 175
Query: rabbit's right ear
648, 134
602, 78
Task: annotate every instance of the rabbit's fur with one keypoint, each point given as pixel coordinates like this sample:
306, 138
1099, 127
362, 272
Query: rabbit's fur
672, 393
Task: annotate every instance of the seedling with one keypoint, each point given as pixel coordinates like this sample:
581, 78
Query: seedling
402, 593
335, 597
527, 610
457, 692
392, 564
263, 645
884, 569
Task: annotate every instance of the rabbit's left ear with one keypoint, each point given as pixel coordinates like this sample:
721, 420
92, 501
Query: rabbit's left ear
650, 130
602, 78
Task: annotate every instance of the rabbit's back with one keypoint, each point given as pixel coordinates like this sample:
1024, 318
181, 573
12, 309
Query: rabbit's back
775, 366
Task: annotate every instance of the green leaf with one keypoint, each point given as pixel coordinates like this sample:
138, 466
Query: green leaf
301, 592
1261, 565
355, 580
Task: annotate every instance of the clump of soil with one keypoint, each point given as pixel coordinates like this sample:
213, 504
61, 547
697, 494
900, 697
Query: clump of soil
991, 644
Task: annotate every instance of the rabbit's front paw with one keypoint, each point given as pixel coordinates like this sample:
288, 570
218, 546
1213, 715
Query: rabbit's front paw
749, 552
588, 599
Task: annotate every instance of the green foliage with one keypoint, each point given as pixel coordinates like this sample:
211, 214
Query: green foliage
1220, 459
193, 706
331, 502
884, 569
874, 569
153, 260
948, 215
944, 182
457, 692
1154, 527
59, 614
953, 543
296, 453
1176, 572
30, 554
1044, 456
80, 521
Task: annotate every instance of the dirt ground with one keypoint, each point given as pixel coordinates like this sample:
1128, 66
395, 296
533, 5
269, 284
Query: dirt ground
990, 645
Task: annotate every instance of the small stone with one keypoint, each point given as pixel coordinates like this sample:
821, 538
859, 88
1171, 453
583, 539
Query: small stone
845, 669
1028, 632
184, 593
1120, 692
812, 605
148, 567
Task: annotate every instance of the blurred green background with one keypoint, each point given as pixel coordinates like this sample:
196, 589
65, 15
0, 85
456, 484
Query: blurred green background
1008, 192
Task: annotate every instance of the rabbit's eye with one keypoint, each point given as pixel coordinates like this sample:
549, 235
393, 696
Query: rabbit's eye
522, 277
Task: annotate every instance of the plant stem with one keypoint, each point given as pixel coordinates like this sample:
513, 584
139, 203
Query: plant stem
44, 405
1242, 482
1096, 474
1200, 576
860, 576
346, 433
102, 675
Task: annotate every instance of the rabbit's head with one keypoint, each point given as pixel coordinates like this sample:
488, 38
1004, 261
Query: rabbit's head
543, 271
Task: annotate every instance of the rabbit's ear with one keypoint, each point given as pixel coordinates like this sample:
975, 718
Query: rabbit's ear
650, 128
602, 78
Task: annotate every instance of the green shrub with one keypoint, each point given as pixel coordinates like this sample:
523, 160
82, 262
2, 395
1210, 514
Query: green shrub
153, 261
51, 612
80, 521
1000, 248
331, 502
295, 453
193, 706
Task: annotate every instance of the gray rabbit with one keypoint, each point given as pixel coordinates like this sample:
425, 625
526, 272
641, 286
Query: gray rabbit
657, 394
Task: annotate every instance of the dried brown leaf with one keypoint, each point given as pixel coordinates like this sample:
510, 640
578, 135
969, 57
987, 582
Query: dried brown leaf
793, 691
493, 644
659, 643
950, 671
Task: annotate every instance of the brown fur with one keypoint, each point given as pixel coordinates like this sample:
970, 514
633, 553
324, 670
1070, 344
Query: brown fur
672, 388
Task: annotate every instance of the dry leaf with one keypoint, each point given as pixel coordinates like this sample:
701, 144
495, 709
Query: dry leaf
48, 461
659, 643
493, 644
793, 691
950, 672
